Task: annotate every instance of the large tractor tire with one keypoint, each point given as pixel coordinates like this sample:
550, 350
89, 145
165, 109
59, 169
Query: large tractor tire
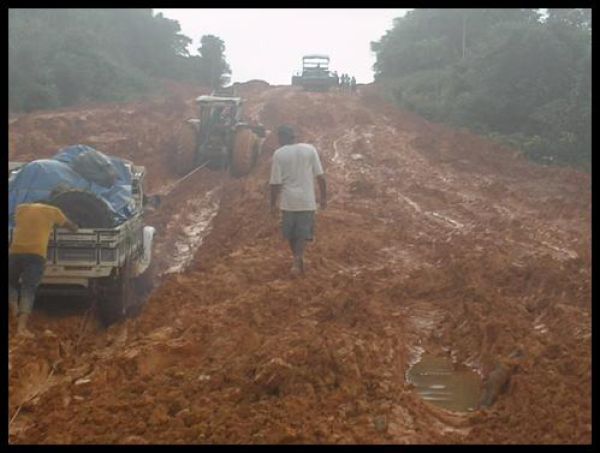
185, 148
84, 208
116, 296
244, 152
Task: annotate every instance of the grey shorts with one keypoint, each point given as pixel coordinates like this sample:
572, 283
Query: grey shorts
298, 225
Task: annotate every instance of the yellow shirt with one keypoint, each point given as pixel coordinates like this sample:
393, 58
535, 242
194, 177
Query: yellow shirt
33, 223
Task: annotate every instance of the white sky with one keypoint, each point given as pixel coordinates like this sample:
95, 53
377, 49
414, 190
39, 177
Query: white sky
268, 43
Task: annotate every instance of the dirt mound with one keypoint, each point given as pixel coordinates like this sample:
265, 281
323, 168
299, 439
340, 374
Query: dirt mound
434, 241
251, 87
254, 83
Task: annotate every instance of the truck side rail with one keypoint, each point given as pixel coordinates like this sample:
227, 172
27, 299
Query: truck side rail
94, 246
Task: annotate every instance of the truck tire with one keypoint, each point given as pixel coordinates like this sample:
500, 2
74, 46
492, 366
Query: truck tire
143, 285
84, 208
115, 296
244, 152
185, 148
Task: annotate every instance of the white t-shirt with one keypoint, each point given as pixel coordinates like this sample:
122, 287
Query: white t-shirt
295, 167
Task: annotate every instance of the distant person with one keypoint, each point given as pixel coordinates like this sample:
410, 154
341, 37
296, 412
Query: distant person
27, 256
293, 170
227, 116
217, 115
336, 79
353, 84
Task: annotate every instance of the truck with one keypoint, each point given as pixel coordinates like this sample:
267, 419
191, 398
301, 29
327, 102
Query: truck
315, 74
111, 248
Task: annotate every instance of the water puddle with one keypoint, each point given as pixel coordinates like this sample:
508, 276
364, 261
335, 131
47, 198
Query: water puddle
439, 381
193, 226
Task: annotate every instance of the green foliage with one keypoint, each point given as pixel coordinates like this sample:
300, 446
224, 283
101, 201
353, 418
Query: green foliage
214, 66
60, 57
504, 72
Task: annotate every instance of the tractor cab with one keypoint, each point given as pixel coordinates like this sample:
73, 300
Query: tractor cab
218, 118
215, 110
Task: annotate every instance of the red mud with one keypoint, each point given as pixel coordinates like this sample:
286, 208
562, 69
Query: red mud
435, 240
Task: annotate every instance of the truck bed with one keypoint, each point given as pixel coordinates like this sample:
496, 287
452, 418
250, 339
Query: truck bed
90, 252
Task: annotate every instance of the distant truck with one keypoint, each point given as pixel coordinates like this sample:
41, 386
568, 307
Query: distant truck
315, 74
112, 245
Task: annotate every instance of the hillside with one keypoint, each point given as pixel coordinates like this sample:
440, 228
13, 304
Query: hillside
435, 240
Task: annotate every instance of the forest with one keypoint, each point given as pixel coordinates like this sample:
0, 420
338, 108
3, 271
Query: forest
62, 57
520, 76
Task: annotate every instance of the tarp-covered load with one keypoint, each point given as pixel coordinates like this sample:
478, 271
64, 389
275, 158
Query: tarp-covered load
96, 167
36, 180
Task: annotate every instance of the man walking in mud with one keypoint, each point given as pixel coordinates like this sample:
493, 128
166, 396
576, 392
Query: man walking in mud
27, 256
293, 171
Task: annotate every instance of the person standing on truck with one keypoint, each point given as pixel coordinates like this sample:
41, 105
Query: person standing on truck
293, 170
27, 256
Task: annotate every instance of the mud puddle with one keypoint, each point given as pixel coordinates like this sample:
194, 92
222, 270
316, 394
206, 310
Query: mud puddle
193, 225
439, 381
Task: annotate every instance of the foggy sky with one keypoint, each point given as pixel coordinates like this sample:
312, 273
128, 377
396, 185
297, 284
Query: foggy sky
268, 43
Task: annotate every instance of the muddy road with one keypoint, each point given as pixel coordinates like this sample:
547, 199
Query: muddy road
435, 241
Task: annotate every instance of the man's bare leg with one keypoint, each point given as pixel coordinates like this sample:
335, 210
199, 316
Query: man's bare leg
26, 305
295, 268
22, 330
298, 250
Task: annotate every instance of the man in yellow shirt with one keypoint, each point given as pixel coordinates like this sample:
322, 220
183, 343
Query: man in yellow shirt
27, 256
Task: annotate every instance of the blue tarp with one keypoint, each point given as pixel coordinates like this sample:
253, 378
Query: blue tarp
36, 180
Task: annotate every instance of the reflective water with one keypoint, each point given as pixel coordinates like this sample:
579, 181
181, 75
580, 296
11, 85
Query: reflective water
439, 381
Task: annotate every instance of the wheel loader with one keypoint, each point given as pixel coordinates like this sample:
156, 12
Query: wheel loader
219, 138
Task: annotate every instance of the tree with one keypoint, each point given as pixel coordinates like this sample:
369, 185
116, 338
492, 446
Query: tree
214, 66
580, 18
61, 57
502, 71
